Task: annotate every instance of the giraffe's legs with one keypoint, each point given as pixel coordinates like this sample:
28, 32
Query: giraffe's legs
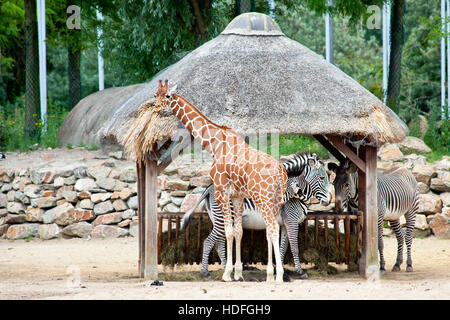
238, 207
269, 258
223, 201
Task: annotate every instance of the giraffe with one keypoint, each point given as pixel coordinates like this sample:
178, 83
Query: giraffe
238, 171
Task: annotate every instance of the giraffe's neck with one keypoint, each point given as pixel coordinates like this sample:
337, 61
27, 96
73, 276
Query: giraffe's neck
202, 129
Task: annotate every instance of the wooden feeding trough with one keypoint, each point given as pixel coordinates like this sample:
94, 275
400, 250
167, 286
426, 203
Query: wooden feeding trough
189, 242
238, 79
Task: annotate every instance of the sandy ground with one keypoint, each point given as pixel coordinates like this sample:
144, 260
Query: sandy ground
107, 269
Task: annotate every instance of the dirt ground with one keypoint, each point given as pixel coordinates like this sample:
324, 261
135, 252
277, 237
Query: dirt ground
107, 269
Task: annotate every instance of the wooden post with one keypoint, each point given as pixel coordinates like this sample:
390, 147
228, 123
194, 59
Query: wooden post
140, 169
367, 203
151, 221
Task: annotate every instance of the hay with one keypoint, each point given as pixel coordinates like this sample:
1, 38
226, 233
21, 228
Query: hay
147, 129
179, 253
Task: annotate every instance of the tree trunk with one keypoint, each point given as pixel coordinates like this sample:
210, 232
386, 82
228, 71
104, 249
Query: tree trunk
395, 63
32, 71
74, 58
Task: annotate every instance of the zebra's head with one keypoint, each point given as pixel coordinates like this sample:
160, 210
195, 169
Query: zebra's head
344, 184
316, 177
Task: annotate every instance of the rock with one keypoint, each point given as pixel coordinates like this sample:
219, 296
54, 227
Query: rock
10, 195
445, 197
116, 155
79, 229
429, 204
22, 231
125, 194
70, 196
63, 214
200, 181
98, 172
413, 145
443, 165
110, 164
5, 188
120, 185
424, 173
107, 231
106, 183
15, 218
3, 200
422, 188
189, 201
86, 204
179, 193
171, 208
84, 195
19, 183
390, 152
59, 193
59, 182
34, 214
44, 202
177, 184
164, 199
80, 172
83, 215
99, 197
177, 200
421, 222
16, 207
109, 218
20, 196
49, 231
115, 174
439, 185
70, 181
162, 181
124, 223
128, 214
128, 175
3, 229
3, 212
32, 191
133, 203
134, 228
85, 184
48, 156
441, 226
103, 207
48, 177
119, 205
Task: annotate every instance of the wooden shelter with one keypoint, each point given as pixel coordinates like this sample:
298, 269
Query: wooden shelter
253, 78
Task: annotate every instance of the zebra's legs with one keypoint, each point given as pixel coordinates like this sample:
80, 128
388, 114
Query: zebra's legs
215, 238
292, 234
221, 249
381, 244
396, 226
410, 223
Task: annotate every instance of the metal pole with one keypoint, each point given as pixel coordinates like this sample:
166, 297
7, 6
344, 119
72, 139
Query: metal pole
448, 57
271, 4
101, 72
40, 5
329, 54
386, 46
442, 57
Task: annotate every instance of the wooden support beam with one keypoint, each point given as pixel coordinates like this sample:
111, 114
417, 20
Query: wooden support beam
339, 143
367, 203
140, 169
327, 145
150, 250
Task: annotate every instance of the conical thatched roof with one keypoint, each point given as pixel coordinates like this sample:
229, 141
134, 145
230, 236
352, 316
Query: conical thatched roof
252, 77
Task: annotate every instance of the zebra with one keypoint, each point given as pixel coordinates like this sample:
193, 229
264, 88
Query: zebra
308, 178
397, 195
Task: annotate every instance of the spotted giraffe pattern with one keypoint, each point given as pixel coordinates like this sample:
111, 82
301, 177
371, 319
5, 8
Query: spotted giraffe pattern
238, 171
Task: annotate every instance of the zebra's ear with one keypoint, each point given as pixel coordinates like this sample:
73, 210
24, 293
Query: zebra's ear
313, 163
332, 166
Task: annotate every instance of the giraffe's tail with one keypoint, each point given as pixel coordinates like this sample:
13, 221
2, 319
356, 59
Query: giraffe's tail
187, 216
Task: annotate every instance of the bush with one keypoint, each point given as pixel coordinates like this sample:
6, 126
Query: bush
12, 126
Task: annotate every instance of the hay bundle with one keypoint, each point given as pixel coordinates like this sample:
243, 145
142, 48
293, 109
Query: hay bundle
254, 247
147, 130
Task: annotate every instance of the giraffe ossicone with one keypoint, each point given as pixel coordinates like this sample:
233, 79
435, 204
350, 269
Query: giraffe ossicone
238, 171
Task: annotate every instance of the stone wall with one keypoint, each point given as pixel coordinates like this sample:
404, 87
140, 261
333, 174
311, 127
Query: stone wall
100, 200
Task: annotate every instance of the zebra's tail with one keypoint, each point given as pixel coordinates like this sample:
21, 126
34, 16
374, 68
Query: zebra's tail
187, 216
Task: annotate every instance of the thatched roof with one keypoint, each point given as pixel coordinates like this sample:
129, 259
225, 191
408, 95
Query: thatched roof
252, 77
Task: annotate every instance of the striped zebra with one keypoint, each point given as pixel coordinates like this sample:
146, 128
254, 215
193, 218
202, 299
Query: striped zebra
397, 195
308, 178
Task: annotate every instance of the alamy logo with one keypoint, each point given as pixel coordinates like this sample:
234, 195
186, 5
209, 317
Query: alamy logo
73, 20
374, 20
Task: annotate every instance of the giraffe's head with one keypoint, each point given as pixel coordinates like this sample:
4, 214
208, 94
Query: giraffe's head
163, 95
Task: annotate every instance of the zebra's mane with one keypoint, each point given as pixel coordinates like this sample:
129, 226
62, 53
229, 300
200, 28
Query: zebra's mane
295, 165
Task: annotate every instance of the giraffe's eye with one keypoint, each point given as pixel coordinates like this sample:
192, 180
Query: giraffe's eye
167, 96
